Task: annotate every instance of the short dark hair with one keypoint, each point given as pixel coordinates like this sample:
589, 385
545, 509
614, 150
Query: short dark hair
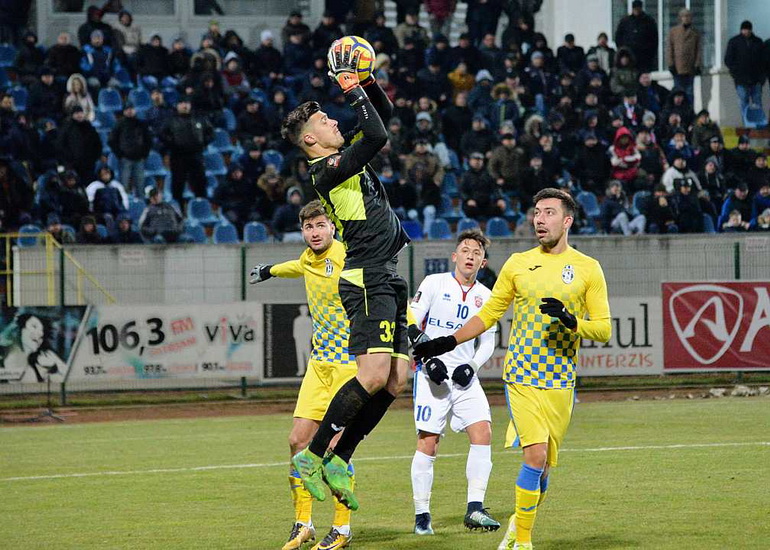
567, 202
474, 234
311, 210
291, 129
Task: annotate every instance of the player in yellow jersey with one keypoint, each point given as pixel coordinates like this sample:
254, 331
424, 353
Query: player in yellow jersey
559, 296
329, 367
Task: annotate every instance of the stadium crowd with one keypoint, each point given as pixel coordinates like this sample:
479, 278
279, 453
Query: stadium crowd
114, 138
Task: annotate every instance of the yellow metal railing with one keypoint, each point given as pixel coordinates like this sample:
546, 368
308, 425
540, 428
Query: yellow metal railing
9, 271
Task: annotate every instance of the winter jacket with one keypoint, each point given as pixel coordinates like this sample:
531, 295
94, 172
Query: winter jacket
684, 50
78, 144
455, 122
592, 168
473, 141
689, 216
624, 160
479, 186
672, 174
64, 60
744, 58
82, 100
131, 139
508, 164
186, 134
45, 101
153, 61
640, 35
160, 219
99, 63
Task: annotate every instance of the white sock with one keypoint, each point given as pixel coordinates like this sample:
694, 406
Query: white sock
422, 481
477, 470
342, 529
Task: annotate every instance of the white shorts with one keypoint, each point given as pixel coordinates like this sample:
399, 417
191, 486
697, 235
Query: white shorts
434, 403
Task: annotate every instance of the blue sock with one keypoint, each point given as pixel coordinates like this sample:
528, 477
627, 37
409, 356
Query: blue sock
544, 483
474, 507
529, 478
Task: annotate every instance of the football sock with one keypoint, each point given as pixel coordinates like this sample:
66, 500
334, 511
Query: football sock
303, 502
342, 513
342, 409
477, 470
527, 495
543, 488
422, 481
364, 422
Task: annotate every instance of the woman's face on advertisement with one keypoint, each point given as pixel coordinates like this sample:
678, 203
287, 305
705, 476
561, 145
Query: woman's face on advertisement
32, 334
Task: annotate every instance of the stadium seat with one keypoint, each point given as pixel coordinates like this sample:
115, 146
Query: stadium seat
230, 122
455, 161
260, 95
4, 80
221, 143
105, 120
214, 164
141, 99
449, 185
114, 163
439, 229
640, 201
153, 165
110, 100
7, 55
708, 224
28, 242
466, 223
498, 227
199, 209
20, 96
211, 186
590, 204
102, 230
69, 229
271, 156
413, 228
255, 232
170, 96
225, 233
135, 208
194, 232
124, 79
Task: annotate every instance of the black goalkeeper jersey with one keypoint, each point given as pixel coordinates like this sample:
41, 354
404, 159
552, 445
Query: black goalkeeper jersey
351, 192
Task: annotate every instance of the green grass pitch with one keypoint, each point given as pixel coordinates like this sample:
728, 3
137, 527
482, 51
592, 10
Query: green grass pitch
647, 474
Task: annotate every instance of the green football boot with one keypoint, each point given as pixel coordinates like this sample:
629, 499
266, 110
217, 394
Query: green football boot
336, 476
310, 468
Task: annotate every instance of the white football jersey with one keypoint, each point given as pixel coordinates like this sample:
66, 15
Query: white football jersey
442, 305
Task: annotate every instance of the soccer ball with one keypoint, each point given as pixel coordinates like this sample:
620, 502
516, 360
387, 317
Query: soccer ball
365, 57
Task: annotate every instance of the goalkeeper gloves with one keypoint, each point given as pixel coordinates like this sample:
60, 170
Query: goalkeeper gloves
436, 370
416, 336
343, 66
432, 348
555, 308
260, 272
462, 375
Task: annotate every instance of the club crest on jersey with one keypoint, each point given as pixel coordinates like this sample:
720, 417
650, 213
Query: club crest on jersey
478, 301
333, 161
417, 296
567, 274
329, 267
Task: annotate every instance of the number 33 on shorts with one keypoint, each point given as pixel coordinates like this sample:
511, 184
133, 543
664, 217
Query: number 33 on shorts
388, 328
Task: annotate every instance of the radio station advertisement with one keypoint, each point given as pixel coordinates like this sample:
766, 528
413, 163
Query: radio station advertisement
144, 342
288, 340
635, 347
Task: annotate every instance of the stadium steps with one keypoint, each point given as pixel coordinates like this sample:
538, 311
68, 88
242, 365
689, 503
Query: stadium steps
458, 21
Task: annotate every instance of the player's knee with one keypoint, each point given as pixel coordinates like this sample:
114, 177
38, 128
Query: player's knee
536, 456
297, 442
427, 444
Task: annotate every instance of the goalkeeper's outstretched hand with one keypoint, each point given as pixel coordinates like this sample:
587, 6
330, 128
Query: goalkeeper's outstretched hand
343, 66
259, 273
555, 308
432, 348
415, 336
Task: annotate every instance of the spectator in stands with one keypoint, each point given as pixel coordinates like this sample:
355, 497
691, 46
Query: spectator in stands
712, 180
735, 223
571, 57
689, 216
491, 54
297, 56
478, 138
653, 162
235, 83
99, 63
63, 57
381, 37
639, 33
482, 18
286, 225
48, 199
268, 60
507, 164
703, 130
251, 122
744, 58
677, 103
411, 28
684, 53
660, 215
650, 95
441, 13
215, 34
236, 197
251, 161
624, 158
300, 177
327, 31
760, 202
88, 233
127, 36
461, 81
186, 137
739, 201
552, 165
158, 113
456, 120
540, 82
466, 52
94, 23
160, 222
616, 214
78, 96
758, 175
432, 173
207, 59
274, 188
131, 141
589, 73
762, 222
207, 100
124, 233
526, 228
481, 196
434, 83
480, 97
72, 199
152, 62
54, 227
605, 55
592, 167
46, 96
78, 145
533, 180
624, 76
678, 144
678, 170
424, 128
179, 59
503, 108
630, 111
740, 160
29, 59
106, 196
16, 194
295, 25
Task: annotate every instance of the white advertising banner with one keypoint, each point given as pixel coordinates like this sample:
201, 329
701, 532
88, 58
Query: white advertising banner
636, 346
151, 342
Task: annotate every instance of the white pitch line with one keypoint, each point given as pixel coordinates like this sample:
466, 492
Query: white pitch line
369, 459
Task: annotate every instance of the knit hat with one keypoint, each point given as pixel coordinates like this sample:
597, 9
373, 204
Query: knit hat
747, 25
52, 219
266, 35
423, 116
484, 74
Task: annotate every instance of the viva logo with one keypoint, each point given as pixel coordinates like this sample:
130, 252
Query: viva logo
230, 332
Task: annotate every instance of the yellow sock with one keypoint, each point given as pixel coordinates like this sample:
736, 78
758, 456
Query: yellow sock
526, 510
341, 512
541, 498
303, 502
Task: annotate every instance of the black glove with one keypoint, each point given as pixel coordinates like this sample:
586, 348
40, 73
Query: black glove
463, 374
436, 370
259, 273
416, 336
555, 308
432, 348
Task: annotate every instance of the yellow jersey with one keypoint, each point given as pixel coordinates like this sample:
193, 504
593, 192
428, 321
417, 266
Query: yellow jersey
331, 329
542, 352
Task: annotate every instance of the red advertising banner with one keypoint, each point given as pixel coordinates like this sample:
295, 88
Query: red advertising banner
716, 325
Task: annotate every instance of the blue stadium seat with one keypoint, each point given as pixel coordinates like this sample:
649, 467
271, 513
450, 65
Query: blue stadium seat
454, 160
255, 232
640, 201
153, 165
194, 232
199, 209
439, 229
271, 156
466, 223
114, 163
413, 228
140, 98
498, 227
590, 204
135, 208
230, 122
4, 80
20, 97
225, 233
124, 79
221, 143
211, 186
69, 229
28, 242
105, 120
110, 100
7, 55
102, 230
171, 96
260, 95
449, 185
708, 224
214, 163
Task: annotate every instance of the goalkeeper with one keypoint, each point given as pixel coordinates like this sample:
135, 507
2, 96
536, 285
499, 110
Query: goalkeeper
373, 294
